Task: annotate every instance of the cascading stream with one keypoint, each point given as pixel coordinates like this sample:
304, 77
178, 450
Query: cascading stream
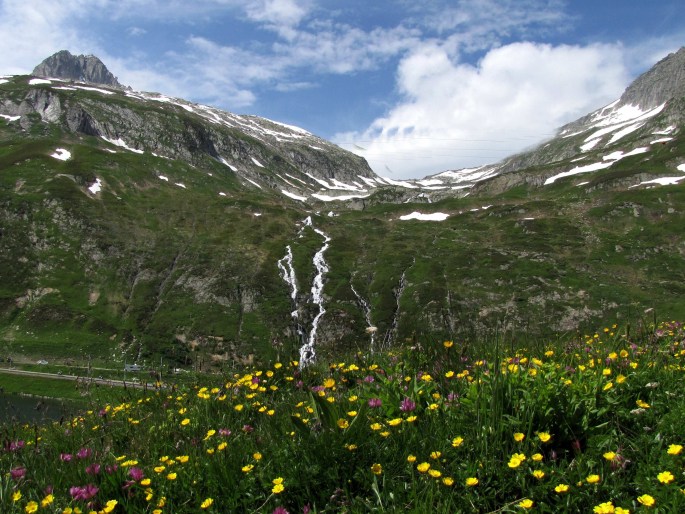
287, 272
366, 308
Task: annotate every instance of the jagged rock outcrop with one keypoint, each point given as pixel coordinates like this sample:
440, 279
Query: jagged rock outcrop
82, 68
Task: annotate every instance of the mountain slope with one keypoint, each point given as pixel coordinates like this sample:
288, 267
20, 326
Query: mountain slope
137, 226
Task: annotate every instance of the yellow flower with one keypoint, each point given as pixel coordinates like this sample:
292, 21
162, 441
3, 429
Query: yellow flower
352, 413
247, 468
448, 481
621, 510
665, 477
449, 374
539, 474
516, 460
31, 507
257, 456
411, 458
47, 500
207, 503
435, 455
182, 459
343, 423
210, 433
376, 469
674, 449
110, 506
561, 488
537, 457
518, 437
593, 479
646, 500
278, 489
222, 446
238, 407
16, 496
159, 469
171, 476
544, 437
395, 422
185, 422
411, 419
607, 386
145, 482
604, 508
448, 344
619, 380
471, 482
426, 377
526, 504
277, 480
456, 442
329, 383
433, 406
376, 426
609, 455
423, 467
434, 473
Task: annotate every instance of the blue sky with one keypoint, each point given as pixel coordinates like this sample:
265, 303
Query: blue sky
415, 87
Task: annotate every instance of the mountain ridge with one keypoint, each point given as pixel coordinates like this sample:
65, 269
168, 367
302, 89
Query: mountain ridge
82, 68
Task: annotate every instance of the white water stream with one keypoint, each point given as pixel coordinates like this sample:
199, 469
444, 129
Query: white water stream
366, 308
287, 272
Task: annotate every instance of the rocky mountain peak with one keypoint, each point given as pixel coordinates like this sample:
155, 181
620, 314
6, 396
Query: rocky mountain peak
85, 68
665, 80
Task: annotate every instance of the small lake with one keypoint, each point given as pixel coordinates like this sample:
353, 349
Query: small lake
26, 409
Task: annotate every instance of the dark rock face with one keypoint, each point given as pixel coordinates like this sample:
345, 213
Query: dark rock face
84, 68
665, 80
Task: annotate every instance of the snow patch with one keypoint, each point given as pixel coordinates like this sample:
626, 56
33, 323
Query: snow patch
436, 216
663, 181
222, 193
681, 167
668, 130
253, 182
582, 183
661, 140
61, 154
65, 88
589, 145
615, 156
400, 183
36, 82
293, 195
257, 162
96, 187
579, 169
326, 198
162, 177
4, 81
180, 184
96, 89
9, 118
121, 143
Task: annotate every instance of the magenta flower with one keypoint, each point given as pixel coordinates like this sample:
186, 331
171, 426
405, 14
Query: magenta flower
18, 473
248, 428
407, 405
111, 468
136, 474
16, 445
93, 469
280, 510
224, 432
65, 457
375, 402
83, 493
84, 453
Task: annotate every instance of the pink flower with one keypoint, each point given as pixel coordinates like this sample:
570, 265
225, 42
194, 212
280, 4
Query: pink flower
93, 469
83, 493
18, 473
136, 474
407, 405
65, 457
375, 402
111, 468
280, 510
84, 453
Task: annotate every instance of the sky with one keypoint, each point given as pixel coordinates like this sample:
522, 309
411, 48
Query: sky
415, 87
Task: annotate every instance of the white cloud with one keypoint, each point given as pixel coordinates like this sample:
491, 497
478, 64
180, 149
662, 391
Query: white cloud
455, 115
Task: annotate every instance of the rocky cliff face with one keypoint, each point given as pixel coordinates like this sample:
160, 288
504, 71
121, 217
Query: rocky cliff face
82, 68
